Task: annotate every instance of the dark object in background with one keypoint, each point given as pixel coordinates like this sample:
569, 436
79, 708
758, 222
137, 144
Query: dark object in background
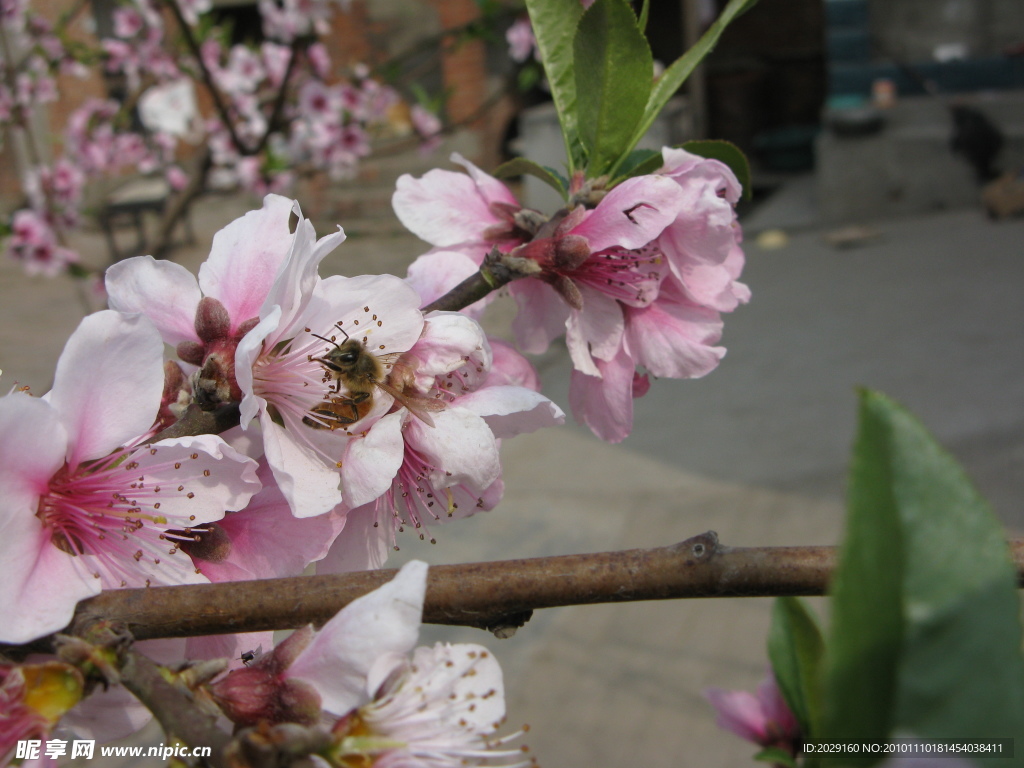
1004, 197
860, 120
977, 139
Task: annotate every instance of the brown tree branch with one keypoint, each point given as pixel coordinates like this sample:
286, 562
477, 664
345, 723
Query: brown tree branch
174, 707
207, 77
497, 596
497, 270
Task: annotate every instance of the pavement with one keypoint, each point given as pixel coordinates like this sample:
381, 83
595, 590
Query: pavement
928, 311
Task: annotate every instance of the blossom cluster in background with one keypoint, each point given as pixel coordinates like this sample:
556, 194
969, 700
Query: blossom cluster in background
287, 110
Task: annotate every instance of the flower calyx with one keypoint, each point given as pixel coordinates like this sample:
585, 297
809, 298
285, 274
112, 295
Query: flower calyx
214, 383
557, 253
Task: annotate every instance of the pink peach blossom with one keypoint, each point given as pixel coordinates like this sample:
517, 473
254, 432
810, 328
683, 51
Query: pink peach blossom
83, 509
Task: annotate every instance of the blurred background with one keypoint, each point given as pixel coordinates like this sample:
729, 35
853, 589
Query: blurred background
885, 248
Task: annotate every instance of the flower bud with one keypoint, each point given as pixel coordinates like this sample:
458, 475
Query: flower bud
261, 692
212, 319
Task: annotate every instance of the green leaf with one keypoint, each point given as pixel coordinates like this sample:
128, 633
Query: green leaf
520, 165
613, 66
640, 162
776, 756
796, 649
554, 25
728, 153
926, 635
645, 11
680, 69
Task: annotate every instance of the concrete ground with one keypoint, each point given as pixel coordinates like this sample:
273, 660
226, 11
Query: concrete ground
929, 312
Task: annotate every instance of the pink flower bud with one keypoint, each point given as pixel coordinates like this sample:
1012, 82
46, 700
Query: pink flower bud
212, 320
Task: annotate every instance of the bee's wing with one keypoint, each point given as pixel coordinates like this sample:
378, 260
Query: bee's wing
418, 406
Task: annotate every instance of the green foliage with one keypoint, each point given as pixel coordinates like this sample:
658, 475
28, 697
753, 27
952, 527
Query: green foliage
680, 69
528, 76
614, 67
796, 649
925, 637
776, 756
600, 70
554, 26
640, 162
520, 166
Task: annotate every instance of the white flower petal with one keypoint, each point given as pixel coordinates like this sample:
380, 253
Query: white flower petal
310, 486
371, 462
220, 477
511, 410
163, 291
460, 445
386, 620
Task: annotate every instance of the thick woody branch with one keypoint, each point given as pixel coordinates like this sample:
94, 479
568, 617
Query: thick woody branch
497, 596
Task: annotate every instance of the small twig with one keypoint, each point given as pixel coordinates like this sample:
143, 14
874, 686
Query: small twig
497, 271
179, 203
218, 98
196, 421
174, 707
279, 98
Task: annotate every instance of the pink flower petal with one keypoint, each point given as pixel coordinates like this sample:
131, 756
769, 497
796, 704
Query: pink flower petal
673, 339
597, 329
435, 273
605, 404
510, 367
541, 318
633, 214
245, 258
101, 407
33, 443
362, 545
739, 712
293, 287
268, 541
310, 486
491, 188
41, 584
447, 208
163, 291
220, 477
447, 340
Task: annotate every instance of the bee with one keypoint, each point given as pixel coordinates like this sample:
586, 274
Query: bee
362, 373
